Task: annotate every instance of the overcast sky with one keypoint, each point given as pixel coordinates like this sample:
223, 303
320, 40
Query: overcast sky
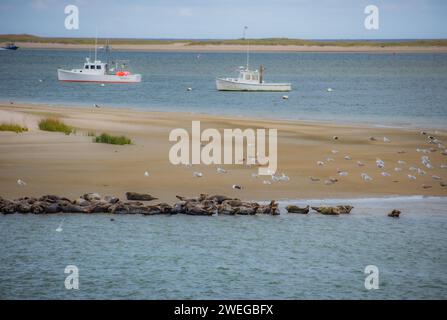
306, 19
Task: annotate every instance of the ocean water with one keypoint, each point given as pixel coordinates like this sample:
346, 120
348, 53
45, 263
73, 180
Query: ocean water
231, 257
381, 89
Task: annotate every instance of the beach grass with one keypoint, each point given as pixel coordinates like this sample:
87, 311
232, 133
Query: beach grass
110, 139
55, 125
12, 127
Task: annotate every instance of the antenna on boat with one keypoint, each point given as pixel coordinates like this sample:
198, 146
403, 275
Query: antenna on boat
248, 47
96, 43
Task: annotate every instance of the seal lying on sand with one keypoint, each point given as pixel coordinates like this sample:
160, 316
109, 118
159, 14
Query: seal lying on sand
333, 210
296, 209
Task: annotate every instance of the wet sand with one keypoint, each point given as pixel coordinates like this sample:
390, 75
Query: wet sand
54, 163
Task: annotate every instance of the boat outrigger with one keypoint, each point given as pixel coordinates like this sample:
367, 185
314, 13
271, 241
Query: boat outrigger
99, 72
250, 80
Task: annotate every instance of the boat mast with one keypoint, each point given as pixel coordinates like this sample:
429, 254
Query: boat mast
96, 42
248, 47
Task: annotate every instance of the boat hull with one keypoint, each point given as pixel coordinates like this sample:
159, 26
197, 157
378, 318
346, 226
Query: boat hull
231, 85
70, 76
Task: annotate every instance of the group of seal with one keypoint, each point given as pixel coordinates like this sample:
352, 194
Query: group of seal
203, 205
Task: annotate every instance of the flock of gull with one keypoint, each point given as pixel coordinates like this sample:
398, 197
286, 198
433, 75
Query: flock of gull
434, 145
400, 166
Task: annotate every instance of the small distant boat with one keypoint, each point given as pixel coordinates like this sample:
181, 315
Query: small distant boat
100, 72
250, 80
10, 46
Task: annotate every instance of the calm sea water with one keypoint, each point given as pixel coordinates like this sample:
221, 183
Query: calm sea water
287, 256
400, 89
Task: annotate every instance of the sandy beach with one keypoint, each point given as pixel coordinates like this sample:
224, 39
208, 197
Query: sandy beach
54, 163
184, 47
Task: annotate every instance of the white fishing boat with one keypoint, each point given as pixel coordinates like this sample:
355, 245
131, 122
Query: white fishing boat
99, 72
250, 80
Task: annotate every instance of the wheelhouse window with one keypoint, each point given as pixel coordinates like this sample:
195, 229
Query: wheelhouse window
92, 66
98, 67
86, 66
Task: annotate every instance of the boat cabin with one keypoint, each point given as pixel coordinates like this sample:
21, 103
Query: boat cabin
251, 76
94, 66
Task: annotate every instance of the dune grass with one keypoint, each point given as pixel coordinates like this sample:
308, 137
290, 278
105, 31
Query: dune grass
12, 127
193, 42
55, 125
110, 139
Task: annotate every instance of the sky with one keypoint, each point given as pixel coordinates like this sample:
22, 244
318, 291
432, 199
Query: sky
225, 19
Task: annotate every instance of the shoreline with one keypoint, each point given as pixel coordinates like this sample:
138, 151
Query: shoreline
356, 123
54, 163
183, 47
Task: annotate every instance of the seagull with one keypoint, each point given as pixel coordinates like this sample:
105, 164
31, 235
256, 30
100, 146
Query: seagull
146, 173
365, 177
189, 89
40, 80
329, 90
342, 173
59, 228
320, 163
330, 181
385, 174
421, 172
397, 169
380, 164
401, 162
334, 151
411, 177
284, 177
347, 158
96, 106
21, 183
443, 166
221, 170
385, 139
235, 186
314, 179
197, 174
285, 97
335, 138
360, 164
266, 182
436, 177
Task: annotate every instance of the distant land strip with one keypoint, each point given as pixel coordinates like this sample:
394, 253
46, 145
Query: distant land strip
266, 44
